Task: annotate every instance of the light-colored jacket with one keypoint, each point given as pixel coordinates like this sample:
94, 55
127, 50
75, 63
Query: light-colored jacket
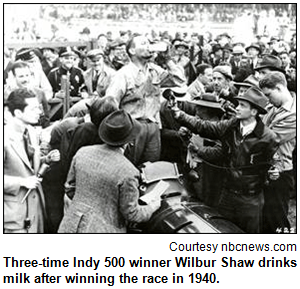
104, 80
16, 167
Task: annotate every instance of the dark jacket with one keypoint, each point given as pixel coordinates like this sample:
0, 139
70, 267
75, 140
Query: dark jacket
173, 146
247, 158
76, 79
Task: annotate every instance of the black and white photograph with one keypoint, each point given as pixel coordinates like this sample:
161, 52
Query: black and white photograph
149, 118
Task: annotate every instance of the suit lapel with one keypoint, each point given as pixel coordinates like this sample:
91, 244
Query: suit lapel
18, 147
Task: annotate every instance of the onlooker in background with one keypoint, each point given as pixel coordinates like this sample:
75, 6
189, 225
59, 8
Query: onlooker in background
67, 57
253, 51
99, 75
117, 56
203, 82
50, 59
22, 78
267, 64
102, 41
238, 52
38, 76
216, 55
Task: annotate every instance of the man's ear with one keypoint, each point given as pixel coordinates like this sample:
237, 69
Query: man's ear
131, 51
279, 87
17, 113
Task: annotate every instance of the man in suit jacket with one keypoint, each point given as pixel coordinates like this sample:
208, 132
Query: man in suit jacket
22, 214
99, 76
24, 205
105, 183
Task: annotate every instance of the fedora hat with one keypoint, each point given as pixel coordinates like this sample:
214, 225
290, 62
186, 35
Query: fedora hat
216, 48
248, 82
118, 128
238, 49
228, 47
270, 61
182, 43
254, 45
208, 100
256, 98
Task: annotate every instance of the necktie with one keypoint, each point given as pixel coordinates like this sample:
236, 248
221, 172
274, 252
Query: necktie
29, 149
95, 81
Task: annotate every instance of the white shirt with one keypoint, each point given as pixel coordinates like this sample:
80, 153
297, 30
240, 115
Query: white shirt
247, 129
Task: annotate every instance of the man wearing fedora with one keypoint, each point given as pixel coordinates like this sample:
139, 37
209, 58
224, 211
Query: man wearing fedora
106, 182
254, 52
242, 87
248, 146
268, 63
280, 118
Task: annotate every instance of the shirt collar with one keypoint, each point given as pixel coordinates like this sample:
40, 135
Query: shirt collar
248, 128
288, 105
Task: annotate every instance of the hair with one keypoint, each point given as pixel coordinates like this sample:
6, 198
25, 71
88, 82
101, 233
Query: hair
101, 34
272, 79
18, 64
202, 67
17, 99
130, 43
283, 52
100, 108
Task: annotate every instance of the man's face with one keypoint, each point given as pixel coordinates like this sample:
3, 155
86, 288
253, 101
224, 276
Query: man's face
262, 73
67, 61
102, 42
32, 111
22, 77
285, 59
207, 76
120, 51
219, 53
252, 52
273, 95
237, 57
141, 48
180, 50
219, 81
242, 90
244, 110
226, 53
97, 62
223, 41
49, 55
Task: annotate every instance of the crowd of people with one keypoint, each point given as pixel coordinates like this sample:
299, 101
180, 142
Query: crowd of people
79, 123
65, 19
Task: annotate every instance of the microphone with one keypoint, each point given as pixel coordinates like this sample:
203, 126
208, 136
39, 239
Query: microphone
41, 173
